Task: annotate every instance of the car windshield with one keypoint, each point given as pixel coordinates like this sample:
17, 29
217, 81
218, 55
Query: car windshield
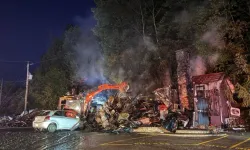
59, 113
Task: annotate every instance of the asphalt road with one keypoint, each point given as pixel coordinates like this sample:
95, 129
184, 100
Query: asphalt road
79, 140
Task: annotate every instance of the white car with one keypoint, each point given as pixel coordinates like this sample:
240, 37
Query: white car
56, 120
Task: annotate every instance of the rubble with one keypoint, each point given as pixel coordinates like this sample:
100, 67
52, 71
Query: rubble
120, 113
23, 120
5, 118
123, 114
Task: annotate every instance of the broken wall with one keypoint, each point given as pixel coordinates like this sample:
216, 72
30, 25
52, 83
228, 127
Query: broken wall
183, 77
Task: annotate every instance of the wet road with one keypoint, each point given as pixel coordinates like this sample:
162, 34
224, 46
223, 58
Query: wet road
78, 140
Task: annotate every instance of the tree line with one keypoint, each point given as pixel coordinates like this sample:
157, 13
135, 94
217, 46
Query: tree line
147, 33
138, 40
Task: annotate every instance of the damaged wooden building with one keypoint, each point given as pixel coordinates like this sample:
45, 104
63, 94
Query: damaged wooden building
206, 95
211, 103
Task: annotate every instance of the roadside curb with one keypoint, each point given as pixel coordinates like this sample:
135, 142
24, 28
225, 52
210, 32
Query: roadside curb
162, 130
179, 133
193, 132
184, 135
16, 129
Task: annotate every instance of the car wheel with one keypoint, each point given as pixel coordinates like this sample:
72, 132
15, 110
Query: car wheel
52, 127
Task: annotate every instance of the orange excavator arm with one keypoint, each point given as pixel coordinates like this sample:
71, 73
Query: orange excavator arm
121, 87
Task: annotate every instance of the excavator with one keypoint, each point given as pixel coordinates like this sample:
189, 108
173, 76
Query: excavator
81, 104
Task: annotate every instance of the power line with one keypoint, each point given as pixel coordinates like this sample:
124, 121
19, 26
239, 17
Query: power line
9, 91
10, 61
4, 81
31, 63
58, 57
15, 81
44, 61
16, 95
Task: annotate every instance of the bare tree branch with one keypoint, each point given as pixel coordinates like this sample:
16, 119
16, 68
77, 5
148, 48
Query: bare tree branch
133, 8
142, 21
153, 17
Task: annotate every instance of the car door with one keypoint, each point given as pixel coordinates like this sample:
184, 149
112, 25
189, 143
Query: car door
70, 121
59, 118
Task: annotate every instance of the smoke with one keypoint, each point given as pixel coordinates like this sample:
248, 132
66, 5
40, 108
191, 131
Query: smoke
121, 73
182, 17
167, 78
85, 23
134, 65
209, 41
213, 38
89, 58
197, 66
147, 41
213, 59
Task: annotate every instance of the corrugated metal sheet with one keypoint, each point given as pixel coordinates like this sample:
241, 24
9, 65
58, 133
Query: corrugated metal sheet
207, 78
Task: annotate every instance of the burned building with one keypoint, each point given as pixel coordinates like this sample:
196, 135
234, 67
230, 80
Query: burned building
208, 96
211, 105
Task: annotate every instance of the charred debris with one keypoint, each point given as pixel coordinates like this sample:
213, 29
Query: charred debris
123, 113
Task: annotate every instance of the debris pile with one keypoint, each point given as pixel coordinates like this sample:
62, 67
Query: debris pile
23, 120
4, 120
123, 113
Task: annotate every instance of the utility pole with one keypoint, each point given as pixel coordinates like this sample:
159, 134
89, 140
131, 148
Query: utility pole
27, 88
1, 91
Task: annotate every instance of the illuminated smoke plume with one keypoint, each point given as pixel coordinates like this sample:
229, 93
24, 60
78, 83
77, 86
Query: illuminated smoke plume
197, 66
147, 41
89, 58
134, 64
213, 59
213, 38
182, 17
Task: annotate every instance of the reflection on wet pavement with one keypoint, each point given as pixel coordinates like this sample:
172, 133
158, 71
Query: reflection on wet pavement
44, 140
74, 140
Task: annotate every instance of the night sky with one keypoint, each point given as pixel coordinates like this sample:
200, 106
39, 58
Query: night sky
27, 28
